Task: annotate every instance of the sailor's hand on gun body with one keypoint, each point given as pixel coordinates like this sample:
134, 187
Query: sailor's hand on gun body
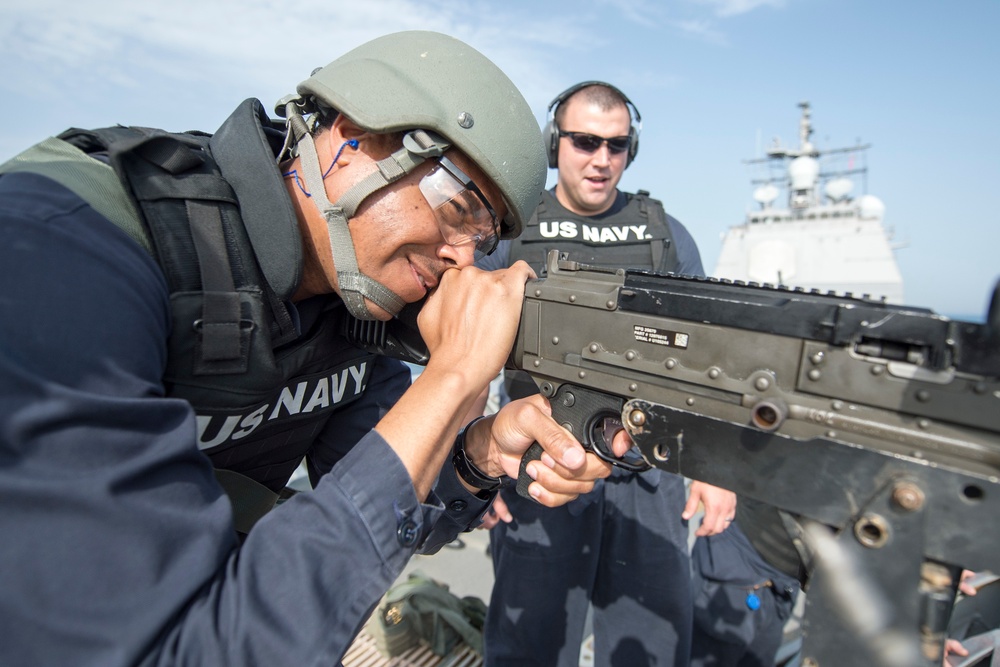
469, 322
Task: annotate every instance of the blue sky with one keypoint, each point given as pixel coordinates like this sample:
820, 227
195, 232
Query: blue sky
713, 79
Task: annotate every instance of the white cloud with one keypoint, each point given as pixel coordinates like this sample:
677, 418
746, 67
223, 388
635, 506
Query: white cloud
641, 12
185, 61
181, 63
194, 40
703, 29
727, 8
248, 43
699, 16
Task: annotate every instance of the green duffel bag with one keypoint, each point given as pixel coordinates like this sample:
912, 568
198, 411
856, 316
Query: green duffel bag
423, 611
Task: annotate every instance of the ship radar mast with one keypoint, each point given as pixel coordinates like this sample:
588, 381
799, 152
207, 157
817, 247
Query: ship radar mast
805, 131
828, 235
806, 147
803, 177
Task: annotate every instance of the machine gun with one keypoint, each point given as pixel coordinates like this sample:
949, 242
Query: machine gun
877, 426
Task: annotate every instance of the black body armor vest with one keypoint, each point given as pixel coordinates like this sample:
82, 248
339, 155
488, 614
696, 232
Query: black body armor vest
635, 237
224, 233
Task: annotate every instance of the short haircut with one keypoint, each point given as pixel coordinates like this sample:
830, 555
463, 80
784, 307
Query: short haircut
600, 96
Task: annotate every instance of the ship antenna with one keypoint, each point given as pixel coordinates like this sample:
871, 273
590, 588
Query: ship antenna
805, 130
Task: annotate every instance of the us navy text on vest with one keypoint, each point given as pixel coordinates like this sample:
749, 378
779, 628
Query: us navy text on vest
305, 396
568, 229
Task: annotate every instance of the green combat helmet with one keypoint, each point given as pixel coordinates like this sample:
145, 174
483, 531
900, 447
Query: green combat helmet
444, 94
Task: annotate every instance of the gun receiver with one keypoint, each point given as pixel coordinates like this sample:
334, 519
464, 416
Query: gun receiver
876, 425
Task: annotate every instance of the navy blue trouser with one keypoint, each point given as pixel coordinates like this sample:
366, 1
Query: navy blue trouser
728, 632
622, 549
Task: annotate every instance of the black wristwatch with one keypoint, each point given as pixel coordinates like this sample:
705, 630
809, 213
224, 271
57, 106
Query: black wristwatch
467, 470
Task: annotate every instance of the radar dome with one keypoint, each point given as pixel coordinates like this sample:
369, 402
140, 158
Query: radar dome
765, 194
870, 206
803, 172
839, 188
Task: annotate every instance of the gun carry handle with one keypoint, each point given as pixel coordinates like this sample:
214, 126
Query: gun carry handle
585, 413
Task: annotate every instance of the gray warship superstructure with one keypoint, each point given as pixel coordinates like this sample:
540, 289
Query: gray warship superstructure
823, 238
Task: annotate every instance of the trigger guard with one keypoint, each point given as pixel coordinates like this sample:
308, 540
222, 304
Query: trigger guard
602, 446
639, 466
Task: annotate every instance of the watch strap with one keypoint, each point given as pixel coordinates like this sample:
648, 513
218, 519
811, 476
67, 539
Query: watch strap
468, 471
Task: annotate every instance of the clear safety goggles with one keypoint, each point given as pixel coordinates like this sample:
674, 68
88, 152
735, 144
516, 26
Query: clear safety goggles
462, 211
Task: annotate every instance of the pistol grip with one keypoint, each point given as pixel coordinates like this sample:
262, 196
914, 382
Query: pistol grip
523, 479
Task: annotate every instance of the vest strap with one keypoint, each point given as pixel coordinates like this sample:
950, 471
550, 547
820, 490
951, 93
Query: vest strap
220, 328
172, 155
204, 187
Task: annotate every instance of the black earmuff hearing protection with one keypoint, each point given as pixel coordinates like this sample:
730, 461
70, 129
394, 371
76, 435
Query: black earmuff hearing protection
551, 132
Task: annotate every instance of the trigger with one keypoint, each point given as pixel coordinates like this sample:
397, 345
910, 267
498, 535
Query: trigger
609, 429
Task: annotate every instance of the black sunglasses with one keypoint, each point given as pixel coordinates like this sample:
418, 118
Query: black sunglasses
589, 143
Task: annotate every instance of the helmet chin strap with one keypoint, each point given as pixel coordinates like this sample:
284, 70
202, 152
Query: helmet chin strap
354, 286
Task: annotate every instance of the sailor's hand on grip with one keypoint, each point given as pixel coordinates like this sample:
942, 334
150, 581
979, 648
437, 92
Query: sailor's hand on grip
563, 471
595, 419
536, 455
